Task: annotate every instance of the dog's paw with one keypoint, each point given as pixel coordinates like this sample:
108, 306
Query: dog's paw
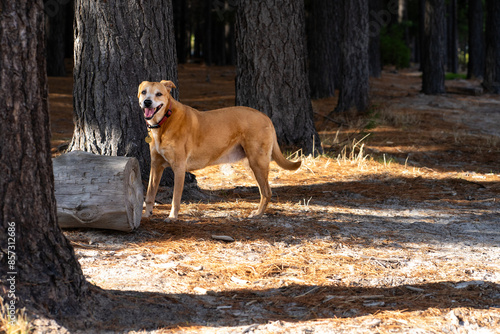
255, 214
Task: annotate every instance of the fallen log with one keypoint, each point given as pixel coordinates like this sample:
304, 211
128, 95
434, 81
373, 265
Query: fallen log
96, 191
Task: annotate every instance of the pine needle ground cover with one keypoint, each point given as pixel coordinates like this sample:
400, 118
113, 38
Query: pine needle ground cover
395, 229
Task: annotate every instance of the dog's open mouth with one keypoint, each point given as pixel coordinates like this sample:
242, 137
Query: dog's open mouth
150, 112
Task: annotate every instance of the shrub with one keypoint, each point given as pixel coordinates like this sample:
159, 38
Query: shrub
392, 47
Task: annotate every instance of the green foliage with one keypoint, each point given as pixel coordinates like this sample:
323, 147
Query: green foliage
393, 49
453, 76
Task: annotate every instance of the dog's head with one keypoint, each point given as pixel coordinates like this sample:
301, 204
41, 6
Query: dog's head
154, 99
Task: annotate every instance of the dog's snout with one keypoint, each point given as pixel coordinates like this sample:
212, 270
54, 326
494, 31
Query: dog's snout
148, 103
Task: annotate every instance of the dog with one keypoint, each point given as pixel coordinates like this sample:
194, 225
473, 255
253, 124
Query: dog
186, 140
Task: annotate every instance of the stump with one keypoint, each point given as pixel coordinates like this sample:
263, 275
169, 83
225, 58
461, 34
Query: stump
96, 191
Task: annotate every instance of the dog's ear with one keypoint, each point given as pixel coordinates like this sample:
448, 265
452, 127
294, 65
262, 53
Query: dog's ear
140, 88
169, 85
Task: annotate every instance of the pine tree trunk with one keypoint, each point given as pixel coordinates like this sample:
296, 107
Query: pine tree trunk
181, 35
421, 32
354, 87
44, 273
374, 29
56, 38
434, 55
271, 73
452, 36
492, 65
475, 68
119, 44
323, 40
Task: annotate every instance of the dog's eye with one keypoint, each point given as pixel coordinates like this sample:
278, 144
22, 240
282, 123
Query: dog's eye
159, 94
143, 92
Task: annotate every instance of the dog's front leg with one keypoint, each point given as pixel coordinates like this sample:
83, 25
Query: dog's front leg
179, 176
154, 182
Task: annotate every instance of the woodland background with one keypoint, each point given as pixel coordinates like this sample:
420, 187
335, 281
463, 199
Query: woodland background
392, 223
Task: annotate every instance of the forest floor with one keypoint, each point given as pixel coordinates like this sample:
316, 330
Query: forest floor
395, 229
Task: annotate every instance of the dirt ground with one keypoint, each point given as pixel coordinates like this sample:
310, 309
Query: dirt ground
395, 229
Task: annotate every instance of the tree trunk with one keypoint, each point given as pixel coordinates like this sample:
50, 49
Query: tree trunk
434, 56
492, 65
271, 73
475, 67
56, 37
119, 44
354, 85
181, 35
39, 268
374, 28
207, 40
95, 191
323, 40
452, 36
421, 32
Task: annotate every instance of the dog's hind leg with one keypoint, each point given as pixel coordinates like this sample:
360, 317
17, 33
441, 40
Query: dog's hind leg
260, 170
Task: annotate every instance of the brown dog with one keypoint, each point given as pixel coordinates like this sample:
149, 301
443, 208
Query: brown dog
186, 140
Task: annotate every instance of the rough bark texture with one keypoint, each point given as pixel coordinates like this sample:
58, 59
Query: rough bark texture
271, 73
434, 53
354, 87
119, 44
475, 68
323, 41
374, 29
492, 65
47, 277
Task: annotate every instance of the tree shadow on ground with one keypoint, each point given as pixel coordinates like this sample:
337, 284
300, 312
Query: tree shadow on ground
422, 211
419, 209
116, 310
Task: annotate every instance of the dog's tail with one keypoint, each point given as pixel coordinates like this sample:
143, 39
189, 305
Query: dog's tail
281, 160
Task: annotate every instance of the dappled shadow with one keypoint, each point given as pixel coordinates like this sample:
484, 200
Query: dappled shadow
388, 213
117, 310
420, 209
450, 149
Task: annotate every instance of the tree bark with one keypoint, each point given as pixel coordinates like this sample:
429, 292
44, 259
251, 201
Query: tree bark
434, 55
452, 36
38, 264
181, 30
492, 64
323, 39
119, 44
354, 87
271, 73
421, 33
475, 67
374, 29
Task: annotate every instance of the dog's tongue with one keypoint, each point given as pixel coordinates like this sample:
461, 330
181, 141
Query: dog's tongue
149, 112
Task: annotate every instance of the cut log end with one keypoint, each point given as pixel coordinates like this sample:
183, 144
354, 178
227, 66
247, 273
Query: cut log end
97, 191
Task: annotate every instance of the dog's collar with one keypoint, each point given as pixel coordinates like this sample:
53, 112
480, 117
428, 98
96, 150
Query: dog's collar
163, 119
